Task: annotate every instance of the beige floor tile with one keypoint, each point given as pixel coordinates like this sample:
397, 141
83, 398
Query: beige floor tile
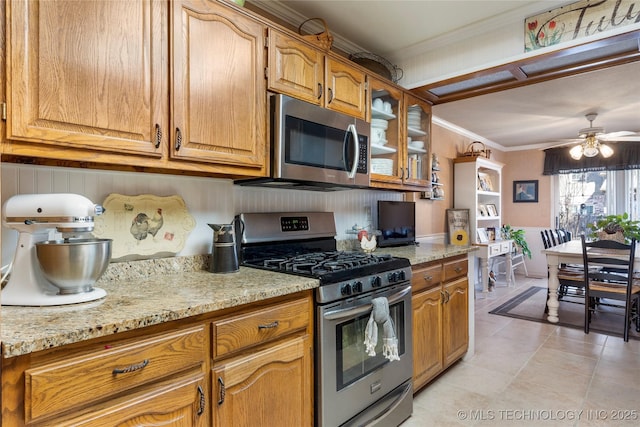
579, 347
534, 374
619, 374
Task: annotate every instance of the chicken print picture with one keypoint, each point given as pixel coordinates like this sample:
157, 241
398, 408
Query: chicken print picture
144, 226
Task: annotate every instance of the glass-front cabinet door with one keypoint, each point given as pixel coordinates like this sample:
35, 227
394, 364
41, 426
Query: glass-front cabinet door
417, 147
386, 112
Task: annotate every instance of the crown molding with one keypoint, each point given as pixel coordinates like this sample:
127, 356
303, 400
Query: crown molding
294, 18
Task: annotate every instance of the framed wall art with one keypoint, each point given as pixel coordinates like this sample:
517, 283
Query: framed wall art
525, 191
458, 226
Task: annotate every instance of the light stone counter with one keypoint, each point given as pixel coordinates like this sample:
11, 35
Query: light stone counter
426, 251
145, 293
139, 294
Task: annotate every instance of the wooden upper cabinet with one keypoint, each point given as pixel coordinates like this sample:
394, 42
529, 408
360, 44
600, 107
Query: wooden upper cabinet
346, 89
218, 90
295, 68
305, 72
88, 74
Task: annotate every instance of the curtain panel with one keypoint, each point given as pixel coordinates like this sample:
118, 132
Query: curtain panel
626, 155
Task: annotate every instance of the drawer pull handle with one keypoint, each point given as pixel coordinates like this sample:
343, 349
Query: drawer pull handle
458, 269
428, 278
131, 368
202, 401
223, 391
269, 325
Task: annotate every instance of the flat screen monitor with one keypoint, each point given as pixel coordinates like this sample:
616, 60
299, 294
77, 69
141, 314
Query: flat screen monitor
397, 223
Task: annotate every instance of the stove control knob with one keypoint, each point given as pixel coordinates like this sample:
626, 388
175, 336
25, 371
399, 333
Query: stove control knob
345, 289
393, 277
401, 275
376, 282
357, 287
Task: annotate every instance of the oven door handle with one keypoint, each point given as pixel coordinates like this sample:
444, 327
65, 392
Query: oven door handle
364, 308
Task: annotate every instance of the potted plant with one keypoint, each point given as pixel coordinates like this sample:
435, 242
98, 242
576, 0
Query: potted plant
517, 236
613, 224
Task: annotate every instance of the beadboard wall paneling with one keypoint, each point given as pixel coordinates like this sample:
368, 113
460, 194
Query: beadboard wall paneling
209, 200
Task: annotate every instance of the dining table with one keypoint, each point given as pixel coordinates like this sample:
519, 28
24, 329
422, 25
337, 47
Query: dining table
565, 253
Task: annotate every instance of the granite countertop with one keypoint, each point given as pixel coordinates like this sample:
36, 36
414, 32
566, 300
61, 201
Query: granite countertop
151, 292
427, 251
139, 294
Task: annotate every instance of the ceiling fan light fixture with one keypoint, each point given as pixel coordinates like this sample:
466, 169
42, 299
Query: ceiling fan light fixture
606, 151
590, 151
576, 152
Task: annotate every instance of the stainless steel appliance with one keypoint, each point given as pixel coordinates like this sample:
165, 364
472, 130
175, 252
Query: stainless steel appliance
78, 262
352, 388
315, 148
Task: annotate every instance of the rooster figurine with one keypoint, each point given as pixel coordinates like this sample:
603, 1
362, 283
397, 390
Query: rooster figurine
368, 244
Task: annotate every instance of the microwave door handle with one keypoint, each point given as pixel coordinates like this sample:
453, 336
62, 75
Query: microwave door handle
352, 129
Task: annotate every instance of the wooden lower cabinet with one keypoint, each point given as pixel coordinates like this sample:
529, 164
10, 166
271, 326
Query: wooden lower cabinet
440, 317
267, 388
263, 366
175, 403
247, 366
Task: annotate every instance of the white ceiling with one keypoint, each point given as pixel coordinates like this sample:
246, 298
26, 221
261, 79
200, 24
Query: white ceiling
526, 117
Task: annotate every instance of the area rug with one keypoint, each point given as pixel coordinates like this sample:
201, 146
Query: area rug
530, 305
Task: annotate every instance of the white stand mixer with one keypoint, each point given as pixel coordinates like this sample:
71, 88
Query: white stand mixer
35, 216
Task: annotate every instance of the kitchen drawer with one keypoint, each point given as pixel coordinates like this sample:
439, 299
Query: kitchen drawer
426, 277
455, 269
66, 384
261, 325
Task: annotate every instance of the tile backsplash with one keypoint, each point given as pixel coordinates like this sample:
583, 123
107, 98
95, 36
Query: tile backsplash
209, 200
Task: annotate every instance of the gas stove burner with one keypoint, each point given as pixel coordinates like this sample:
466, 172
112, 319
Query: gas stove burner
319, 263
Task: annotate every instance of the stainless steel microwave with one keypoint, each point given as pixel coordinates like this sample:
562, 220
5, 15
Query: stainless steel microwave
315, 148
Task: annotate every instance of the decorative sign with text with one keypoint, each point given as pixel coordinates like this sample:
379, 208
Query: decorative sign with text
577, 20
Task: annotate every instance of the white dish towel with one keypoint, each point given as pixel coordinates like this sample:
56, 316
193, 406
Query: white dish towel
380, 315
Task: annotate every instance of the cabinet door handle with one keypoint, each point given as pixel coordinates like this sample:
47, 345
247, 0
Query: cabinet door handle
158, 135
401, 173
448, 296
178, 139
428, 278
131, 368
443, 297
269, 325
222, 392
319, 90
330, 95
202, 402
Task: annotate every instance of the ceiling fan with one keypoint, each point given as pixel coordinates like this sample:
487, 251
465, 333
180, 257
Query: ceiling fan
593, 140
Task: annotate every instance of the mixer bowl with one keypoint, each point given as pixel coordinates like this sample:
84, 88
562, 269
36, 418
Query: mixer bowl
74, 265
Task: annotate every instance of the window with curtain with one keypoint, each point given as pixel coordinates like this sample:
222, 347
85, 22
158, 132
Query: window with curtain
589, 188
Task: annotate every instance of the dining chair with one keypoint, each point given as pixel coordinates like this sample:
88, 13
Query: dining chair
570, 277
613, 283
545, 239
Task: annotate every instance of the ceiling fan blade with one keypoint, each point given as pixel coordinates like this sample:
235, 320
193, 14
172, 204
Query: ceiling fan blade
630, 138
616, 136
563, 143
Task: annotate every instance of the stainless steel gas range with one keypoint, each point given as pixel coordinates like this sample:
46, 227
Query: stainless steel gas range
353, 388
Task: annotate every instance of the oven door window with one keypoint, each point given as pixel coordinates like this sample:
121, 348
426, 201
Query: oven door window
353, 362
312, 144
